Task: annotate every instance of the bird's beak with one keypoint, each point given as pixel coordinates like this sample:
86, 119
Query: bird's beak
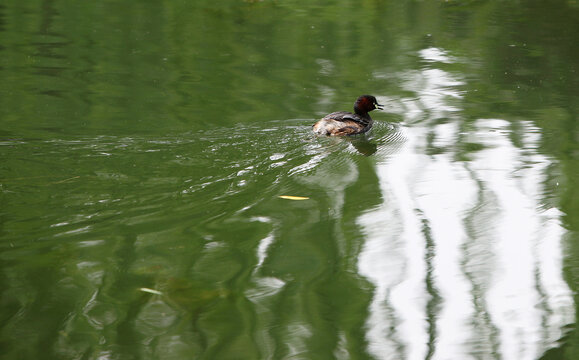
379, 107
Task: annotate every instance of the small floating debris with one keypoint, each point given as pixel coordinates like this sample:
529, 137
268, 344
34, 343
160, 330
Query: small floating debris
290, 197
150, 291
65, 180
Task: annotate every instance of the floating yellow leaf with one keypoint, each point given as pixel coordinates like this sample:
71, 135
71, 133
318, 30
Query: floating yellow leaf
151, 291
289, 197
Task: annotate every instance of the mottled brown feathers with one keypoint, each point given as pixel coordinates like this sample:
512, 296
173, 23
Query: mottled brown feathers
333, 127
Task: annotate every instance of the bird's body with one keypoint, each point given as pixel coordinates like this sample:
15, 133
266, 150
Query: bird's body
342, 123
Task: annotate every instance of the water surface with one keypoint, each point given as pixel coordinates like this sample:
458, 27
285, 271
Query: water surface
144, 147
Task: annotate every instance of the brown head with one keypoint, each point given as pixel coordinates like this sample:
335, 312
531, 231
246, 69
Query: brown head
365, 104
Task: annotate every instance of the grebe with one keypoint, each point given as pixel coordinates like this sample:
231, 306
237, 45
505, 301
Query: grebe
345, 123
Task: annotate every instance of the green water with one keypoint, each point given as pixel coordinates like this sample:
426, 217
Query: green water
144, 146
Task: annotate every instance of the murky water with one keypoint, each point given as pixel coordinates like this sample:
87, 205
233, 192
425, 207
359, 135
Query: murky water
144, 149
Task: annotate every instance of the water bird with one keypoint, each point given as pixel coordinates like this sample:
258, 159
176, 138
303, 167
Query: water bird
342, 123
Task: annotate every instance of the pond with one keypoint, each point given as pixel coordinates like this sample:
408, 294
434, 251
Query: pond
163, 196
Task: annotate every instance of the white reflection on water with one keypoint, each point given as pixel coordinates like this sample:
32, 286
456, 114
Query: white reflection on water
465, 258
528, 299
393, 259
